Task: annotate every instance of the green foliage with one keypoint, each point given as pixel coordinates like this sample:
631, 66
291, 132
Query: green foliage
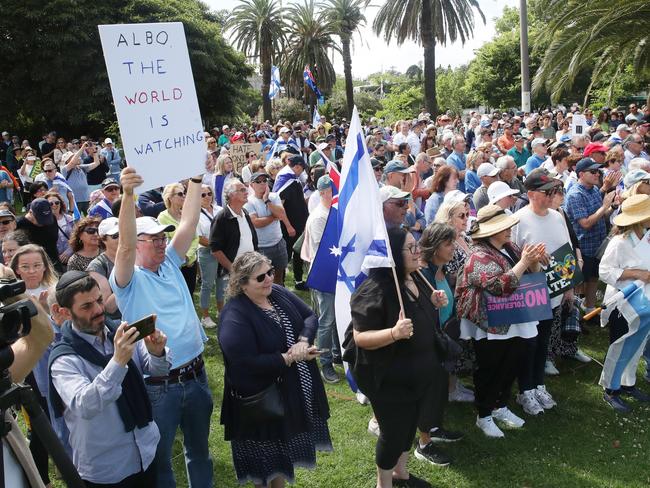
335, 107
401, 103
289, 109
614, 88
54, 76
452, 91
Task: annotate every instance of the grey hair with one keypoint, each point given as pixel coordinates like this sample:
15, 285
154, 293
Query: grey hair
503, 162
421, 156
629, 139
228, 187
242, 270
448, 136
446, 211
433, 236
638, 163
580, 138
51, 296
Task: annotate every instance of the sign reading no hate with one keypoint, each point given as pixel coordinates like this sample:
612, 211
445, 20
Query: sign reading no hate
155, 100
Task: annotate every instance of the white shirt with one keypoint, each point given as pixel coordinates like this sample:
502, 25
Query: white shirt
411, 139
245, 235
205, 222
550, 229
313, 202
314, 229
469, 330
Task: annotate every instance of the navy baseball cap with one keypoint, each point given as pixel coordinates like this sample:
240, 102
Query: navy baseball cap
585, 164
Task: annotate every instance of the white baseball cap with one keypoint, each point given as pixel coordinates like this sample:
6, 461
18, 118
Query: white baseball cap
388, 192
498, 190
108, 140
487, 169
149, 225
108, 227
456, 196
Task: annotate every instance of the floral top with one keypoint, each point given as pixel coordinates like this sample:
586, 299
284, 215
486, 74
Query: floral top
486, 269
456, 263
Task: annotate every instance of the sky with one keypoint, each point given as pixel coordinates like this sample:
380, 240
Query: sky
371, 53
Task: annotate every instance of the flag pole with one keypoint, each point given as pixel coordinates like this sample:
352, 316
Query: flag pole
399, 294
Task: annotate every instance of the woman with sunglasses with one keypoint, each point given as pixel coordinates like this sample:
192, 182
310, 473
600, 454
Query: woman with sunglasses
64, 222
393, 349
174, 199
85, 243
265, 333
207, 262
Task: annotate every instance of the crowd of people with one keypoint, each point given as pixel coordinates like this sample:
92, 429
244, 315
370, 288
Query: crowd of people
471, 204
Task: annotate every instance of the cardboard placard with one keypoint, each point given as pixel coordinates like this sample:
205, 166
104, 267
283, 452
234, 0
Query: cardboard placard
238, 153
578, 125
528, 303
155, 100
563, 272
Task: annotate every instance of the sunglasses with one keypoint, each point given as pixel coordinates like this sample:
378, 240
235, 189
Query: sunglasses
593, 171
49, 171
90, 230
5, 222
114, 236
399, 203
203, 195
270, 273
180, 194
55, 203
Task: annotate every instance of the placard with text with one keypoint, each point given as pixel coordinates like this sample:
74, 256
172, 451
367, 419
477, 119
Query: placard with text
529, 302
155, 100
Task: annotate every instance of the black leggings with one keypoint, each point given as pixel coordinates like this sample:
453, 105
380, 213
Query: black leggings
397, 421
189, 273
138, 480
497, 363
533, 361
294, 256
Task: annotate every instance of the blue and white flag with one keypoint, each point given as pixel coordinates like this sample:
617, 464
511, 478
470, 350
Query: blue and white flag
623, 354
316, 120
274, 87
284, 178
363, 239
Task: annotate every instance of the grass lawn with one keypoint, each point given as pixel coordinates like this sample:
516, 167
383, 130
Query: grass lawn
581, 443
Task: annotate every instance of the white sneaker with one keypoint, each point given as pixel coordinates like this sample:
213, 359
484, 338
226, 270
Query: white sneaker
581, 356
464, 389
505, 416
489, 428
550, 369
362, 399
544, 398
373, 427
528, 401
462, 395
208, 323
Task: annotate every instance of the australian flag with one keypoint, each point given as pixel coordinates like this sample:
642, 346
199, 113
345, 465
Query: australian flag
311, 81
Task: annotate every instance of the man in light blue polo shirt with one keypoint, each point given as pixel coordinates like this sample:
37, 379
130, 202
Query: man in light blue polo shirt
147, 279
540, 153
458, 160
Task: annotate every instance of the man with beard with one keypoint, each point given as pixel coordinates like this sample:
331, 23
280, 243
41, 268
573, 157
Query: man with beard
96, 380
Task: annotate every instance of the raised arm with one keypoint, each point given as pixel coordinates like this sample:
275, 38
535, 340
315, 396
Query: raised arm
125, 258
74, 160
189, 218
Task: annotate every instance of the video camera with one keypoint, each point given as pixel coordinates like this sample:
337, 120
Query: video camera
15, 318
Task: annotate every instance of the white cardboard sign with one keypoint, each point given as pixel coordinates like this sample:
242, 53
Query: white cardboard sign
579, 125
155, 100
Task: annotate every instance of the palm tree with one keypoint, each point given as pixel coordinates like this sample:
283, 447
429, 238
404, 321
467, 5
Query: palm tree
310, 37
600, 35
427, 22
258, 29
347, 17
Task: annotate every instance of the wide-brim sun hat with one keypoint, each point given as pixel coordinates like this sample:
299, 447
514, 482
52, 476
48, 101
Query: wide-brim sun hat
635, 209
491, 220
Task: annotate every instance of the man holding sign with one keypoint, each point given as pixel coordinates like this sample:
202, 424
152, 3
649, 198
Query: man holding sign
540, 224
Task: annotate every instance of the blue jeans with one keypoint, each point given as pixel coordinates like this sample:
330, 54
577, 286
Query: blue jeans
188, 405
327, 337
208, 264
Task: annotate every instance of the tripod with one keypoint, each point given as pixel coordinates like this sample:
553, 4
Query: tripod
23, 395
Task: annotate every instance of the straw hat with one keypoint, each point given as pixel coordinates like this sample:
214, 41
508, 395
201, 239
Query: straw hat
491, 220
634, 210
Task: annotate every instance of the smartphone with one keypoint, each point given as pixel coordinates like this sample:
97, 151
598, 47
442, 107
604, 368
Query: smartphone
146, 326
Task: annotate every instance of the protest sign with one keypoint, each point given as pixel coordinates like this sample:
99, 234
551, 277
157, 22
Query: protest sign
562, 272
578, 125
155, 100
238, 154
529, 302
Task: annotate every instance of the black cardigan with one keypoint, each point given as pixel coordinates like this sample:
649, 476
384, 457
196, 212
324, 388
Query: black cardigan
252, 345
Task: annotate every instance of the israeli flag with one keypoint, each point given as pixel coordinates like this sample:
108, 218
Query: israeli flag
274, 87
316, 120
623, 354
363, 239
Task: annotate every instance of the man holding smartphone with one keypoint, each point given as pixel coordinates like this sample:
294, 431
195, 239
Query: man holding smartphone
96, 380
147, 279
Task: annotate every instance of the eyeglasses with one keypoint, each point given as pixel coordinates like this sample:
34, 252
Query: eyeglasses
203, 195
5, 222
55, 203
90, 230
399, 203
156, 241
270, 273
180, 194
36, 267
413, 248
114, 236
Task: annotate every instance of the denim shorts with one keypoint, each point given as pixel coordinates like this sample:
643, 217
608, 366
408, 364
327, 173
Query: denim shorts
277, 254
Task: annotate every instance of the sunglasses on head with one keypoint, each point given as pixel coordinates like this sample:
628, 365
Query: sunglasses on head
270, 273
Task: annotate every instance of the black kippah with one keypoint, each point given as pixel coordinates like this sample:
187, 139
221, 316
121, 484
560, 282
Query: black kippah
70, 277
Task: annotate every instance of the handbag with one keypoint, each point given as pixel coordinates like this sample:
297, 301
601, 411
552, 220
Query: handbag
570, 322
265, 406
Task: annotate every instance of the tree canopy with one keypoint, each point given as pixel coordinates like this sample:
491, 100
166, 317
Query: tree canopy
54, 76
